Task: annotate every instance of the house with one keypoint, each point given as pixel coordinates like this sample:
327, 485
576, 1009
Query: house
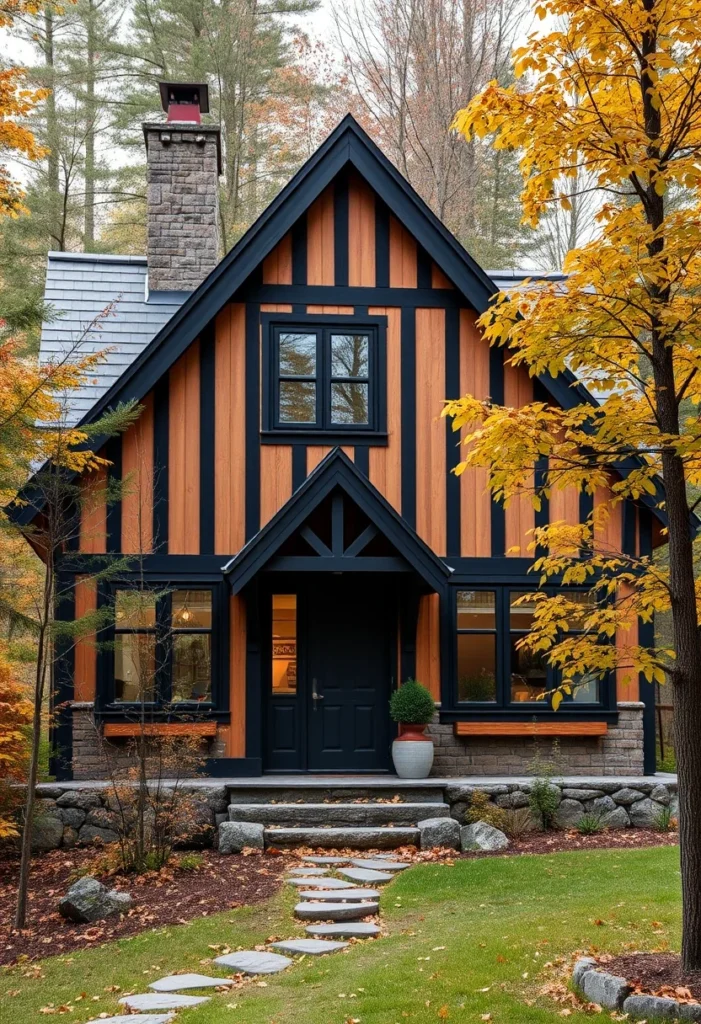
290, 498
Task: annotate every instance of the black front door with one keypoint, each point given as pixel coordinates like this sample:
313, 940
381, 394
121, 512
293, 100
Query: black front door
331, 671
348, 677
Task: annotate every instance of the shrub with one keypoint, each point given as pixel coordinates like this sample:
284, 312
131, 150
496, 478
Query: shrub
412, 704
664, 821
590, 824
482, 809
190, 862
518, 822
544, 800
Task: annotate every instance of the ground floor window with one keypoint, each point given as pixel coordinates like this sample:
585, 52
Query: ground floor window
162, 649
492, 669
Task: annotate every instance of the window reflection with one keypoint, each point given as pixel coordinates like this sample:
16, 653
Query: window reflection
284, 643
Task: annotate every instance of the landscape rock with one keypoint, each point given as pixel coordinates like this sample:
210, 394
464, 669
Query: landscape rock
47, 827
89, 900
367, 874
581, 794
72, 816
512, 801
627, 796
439, 832
313, 911
616, 819
602, 805
644, 813
608, 990
643, 1006
347, 930
89, 833
569, 812
254, 962
661, 794
481, 836
380, 864
176, 982
235, 836
102, 818
309, 947
70, 837
85, 799
584, 964
161, 1001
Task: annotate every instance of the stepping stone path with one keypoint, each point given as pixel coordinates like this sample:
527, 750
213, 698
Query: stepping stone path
309, 947
254, 962
321, 883
350, 930
176, 982
310, 911
335, 904
144, 1018
355, 895
365, 875
161, 1001
377, 864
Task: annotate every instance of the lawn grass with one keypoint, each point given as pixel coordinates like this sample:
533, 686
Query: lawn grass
499, 919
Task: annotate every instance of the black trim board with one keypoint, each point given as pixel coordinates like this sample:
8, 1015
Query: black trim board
207, 432
336, 470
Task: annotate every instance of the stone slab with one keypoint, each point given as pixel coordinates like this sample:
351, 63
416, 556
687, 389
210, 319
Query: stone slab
129, 1018
161, 1001
608, 990
333, 896
327, 860
378, 864
318, 871
313, 882
309, 947
354, 838
312, 910
254, 962
366, 875
177, 982
349, 930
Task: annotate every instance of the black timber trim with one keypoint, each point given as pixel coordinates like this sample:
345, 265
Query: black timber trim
452, 390
299, 252
496, 390
252, 428
254, 678
299, 465
351, 295
601, 714
336, 470
207, 431
542, 514
61, 727
113, 452
408, 414
381, 244
340, 229
423, 268
161, 428
361, 457
233, 767
628, 529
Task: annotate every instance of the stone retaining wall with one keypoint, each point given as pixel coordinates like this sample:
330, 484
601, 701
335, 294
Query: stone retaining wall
619, 752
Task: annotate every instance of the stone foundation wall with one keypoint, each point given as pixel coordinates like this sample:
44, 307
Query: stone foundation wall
619, 752
92, 752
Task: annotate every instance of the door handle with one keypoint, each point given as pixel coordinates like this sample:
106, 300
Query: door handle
316, 696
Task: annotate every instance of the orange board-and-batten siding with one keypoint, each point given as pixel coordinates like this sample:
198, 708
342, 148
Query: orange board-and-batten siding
386, 462
519, 515
184, 454
137, 483
431, 467
475, 501
230, 430
85, 656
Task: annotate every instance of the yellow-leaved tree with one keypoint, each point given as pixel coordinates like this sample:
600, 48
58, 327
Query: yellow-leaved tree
613, 88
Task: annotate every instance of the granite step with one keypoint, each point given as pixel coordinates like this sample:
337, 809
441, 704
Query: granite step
318, 911
334, 896
358, 838
296, 815
343, 930
320, 790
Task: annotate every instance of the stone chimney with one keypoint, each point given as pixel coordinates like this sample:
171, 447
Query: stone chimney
184, 163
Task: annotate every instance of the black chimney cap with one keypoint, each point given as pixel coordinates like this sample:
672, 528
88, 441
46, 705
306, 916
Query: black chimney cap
191, 93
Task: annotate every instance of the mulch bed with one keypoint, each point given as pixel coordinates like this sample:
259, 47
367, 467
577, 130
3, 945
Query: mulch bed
558, 842
172, 896
659, 974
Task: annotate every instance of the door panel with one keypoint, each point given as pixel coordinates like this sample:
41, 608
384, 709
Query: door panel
349, 668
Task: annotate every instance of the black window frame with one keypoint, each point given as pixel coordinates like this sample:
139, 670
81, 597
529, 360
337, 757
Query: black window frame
324, 430
504, 705
163, 706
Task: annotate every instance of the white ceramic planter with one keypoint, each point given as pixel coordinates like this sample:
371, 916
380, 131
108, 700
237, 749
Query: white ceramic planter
412, 758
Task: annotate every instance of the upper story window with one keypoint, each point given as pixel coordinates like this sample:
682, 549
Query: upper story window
325, 376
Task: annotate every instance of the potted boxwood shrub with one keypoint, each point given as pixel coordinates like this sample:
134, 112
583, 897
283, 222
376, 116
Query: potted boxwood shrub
413, 707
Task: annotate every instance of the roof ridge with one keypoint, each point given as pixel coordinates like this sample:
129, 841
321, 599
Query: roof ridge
94, 257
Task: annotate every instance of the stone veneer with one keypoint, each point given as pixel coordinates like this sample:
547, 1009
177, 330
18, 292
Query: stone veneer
182, 204
619, 752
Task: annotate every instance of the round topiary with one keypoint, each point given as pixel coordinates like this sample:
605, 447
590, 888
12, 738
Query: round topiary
412, 704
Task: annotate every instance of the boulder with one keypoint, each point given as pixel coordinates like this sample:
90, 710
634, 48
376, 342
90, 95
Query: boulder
627, 796
569, 812
481, 836
581, 794
90, 833
235, 836
616, 819
661, 794
644, 813
70, 837
584, 964
512, 801
443, 832
458, 811
85, 799
602, 805
72, 816
89, 900
608, 990
47, 827
643, 1007
102, 818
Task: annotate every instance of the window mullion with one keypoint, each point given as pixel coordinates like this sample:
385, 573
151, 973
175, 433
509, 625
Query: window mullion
323, 388
164, 648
